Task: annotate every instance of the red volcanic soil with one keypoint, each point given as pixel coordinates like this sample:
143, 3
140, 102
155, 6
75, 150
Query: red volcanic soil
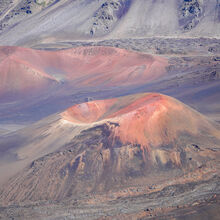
24, 69
18, 75
147, 119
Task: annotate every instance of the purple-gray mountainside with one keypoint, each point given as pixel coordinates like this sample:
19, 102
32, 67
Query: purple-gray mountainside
36, 21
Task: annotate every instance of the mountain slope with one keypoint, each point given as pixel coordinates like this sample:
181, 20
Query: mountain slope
136, 140
74, 20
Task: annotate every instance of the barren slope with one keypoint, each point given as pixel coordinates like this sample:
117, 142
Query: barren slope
59, 21
18, 76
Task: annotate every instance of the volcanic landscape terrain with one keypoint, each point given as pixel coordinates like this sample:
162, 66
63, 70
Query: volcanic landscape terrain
109, 109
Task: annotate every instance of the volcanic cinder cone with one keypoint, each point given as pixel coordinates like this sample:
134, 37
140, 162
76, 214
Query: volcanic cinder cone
25, 71
136, 140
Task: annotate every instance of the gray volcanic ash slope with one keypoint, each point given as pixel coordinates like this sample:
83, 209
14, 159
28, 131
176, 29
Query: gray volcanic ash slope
72, 20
